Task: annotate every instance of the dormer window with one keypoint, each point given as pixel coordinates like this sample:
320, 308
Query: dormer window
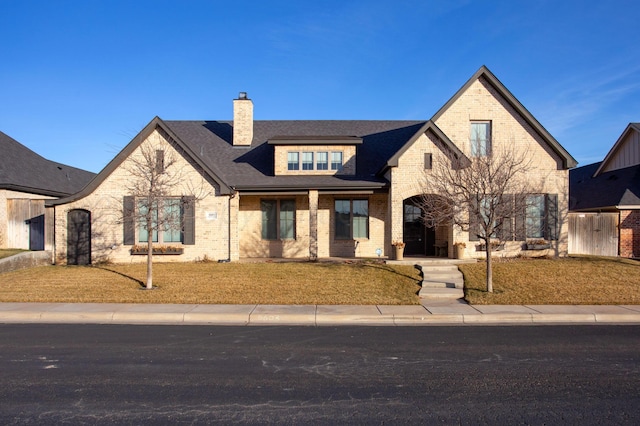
336, 160
315, 155
322, 162
293, 161
307, 161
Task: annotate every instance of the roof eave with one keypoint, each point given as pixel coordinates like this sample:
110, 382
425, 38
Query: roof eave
630, 127
567, 160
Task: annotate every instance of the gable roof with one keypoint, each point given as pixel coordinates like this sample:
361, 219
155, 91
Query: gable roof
156, 123
606, 191
23, 170
632, 127
428, 126
567, 159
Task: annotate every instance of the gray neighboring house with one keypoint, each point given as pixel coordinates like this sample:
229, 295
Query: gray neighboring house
605, 201
26, 181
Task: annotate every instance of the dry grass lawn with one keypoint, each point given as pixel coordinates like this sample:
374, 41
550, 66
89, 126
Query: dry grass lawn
566, 281
360, 283
9, 252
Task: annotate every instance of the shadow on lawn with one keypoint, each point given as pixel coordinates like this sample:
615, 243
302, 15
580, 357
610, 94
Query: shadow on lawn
140, 283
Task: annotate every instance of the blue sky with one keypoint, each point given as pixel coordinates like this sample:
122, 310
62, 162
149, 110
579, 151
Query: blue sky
79, 79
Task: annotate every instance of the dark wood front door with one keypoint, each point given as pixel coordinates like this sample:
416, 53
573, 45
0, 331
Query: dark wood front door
419, 239
79, 237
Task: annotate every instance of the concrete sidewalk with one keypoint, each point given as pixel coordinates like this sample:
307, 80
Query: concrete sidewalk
434, 313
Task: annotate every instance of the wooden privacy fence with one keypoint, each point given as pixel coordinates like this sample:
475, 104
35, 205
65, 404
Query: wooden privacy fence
593, 233
25, 224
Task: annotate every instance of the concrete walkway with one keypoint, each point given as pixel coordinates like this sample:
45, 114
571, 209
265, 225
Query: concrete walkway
429, 313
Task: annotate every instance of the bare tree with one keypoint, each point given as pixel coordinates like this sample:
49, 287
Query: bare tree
481, 196
156, 191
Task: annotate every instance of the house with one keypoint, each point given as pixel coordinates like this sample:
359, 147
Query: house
26, 180
605, 201
304, 189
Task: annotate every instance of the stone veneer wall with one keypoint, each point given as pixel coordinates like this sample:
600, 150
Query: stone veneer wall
212, 224
630, 233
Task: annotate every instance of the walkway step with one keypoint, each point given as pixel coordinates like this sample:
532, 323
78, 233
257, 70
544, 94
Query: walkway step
441, 293
438, 284
441, 282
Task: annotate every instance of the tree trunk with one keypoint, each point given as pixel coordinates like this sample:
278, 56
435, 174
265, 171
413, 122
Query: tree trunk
489, 268
149, 256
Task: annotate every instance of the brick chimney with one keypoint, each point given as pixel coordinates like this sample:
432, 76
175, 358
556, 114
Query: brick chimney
242, 120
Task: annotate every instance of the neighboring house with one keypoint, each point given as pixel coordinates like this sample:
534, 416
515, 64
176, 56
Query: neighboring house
605, 201
308, 189
26, 180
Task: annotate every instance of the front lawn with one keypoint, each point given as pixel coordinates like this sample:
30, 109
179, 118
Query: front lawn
565, 281
9, 252
337, 283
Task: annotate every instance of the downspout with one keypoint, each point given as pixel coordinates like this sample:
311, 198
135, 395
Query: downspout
231, 197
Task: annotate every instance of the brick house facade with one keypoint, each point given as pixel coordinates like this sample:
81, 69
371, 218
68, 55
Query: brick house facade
306, 189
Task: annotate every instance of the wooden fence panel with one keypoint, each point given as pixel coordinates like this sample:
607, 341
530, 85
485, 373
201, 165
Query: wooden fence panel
593, 233
19, 212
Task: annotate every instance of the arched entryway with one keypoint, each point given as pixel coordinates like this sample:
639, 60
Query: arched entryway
420, 240
79, 237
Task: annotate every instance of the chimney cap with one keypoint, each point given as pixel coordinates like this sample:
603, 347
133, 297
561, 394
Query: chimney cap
242, 95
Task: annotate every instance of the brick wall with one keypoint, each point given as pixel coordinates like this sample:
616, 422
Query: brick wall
105, 204
348, 159
630, 233
480, 102
252, 244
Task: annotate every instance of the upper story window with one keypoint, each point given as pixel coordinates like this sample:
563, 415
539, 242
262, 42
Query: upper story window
322, 161
293, 161
307, 161
480, 138
336, 160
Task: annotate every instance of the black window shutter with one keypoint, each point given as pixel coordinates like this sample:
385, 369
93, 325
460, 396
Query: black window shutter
521, 217
551, 217
474, 225
128, 220
188, 220
506, 231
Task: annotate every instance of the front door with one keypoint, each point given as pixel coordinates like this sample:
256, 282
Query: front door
418, 238
79, 237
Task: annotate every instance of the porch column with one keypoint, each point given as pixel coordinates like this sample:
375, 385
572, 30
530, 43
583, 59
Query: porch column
313, 224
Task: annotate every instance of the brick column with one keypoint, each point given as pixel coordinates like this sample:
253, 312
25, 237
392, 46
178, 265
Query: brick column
313, 224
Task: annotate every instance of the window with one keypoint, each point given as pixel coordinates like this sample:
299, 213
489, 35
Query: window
352, 219
322, 161
307, 161
480, 139
171, 214
175, 218
143, 232
541, 212
166, 216
293, 161
534, 216
336, 161
278, 219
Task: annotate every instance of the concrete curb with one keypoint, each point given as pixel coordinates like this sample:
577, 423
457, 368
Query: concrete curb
316, 315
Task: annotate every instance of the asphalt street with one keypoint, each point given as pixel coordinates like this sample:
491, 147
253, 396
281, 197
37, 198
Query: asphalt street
114, 374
